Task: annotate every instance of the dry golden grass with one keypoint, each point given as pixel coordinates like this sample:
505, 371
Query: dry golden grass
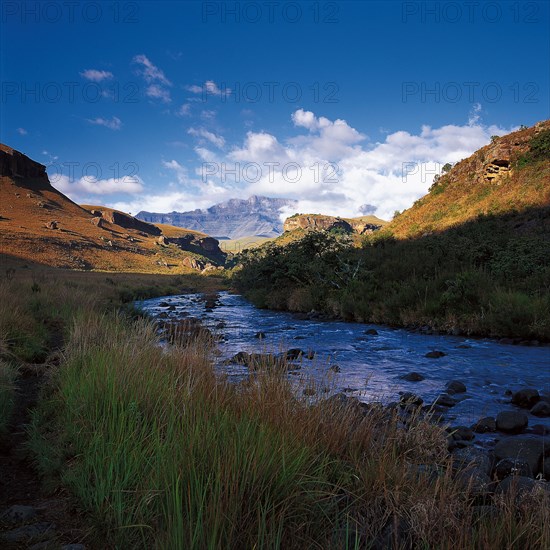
163, 452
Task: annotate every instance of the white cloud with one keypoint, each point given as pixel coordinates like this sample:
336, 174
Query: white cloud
149, 71
158, 84
22, 131
218, 141
208, 115
209, 88
184, 110
339, 171
114, 123
475, 114
332, 169
179, 170
79, 190
158, 92
96, 76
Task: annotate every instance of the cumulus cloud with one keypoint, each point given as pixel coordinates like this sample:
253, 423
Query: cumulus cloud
22, 131
158, 84
96, 76
80, 189
334, 169
204, 134
330, 168
113, 123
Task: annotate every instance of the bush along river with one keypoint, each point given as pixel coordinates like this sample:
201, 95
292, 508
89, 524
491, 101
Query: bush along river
494, 397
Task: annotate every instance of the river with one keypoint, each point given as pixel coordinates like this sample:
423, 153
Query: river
371, 366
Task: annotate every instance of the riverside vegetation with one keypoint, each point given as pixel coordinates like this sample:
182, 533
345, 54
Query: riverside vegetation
470, 257
160, 451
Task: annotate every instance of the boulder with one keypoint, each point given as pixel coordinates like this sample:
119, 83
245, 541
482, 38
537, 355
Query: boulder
335, 368
472, 457
294, 353
52, 225
18, 513
513, 422
435, 354
259, 335
474, 480
526, 398
462, 433
408, 398
527, 448
445, 400
371, 332
518, 485
455, 386
192, 263
412, 377
512, 467
485, 425
541, 409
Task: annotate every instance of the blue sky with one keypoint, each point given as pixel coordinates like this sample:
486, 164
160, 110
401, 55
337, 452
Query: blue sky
349, 107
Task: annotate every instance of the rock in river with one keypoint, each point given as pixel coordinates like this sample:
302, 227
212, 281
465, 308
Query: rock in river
513, 422
526, 398
455, 386
541, 409
485, 425
435, 354
412, 377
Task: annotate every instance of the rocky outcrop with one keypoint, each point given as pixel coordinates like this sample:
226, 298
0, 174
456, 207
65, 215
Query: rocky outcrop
14, 164
125, 220
498, 179
316, 222
320, 222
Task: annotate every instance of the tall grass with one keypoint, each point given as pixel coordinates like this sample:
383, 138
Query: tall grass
162, 452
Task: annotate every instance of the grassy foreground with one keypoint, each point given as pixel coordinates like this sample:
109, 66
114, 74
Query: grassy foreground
161, 452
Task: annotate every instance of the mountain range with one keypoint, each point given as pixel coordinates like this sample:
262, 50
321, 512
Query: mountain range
234, 219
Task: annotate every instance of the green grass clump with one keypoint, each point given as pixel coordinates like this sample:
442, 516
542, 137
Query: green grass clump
175, 463
8, 374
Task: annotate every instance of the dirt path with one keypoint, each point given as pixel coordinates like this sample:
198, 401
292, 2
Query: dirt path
30, 516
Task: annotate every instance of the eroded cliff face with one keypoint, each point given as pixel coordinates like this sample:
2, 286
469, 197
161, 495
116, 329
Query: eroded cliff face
499, 178
316, 222
14, 164
494, 163
124, 220
319, 222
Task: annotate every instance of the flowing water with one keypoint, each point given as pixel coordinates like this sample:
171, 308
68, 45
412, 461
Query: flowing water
371, 366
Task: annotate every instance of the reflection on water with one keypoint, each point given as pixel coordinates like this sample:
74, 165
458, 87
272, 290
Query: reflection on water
371, 365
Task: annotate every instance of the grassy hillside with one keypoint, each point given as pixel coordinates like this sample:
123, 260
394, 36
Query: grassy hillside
40, 224
471, 257
510, 174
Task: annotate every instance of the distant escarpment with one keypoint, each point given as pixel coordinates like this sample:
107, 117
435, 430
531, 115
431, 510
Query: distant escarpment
233, 219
